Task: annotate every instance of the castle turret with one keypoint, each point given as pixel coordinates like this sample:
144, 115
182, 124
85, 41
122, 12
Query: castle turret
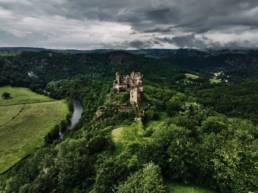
117, 78
135, 96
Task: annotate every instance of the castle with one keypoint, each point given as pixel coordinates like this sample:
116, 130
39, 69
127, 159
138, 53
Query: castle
131, 83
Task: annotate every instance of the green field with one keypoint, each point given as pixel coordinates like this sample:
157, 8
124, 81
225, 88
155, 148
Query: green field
24, 120
178, 188
191, 76
21, 96
8, 54
215, 80
136, 131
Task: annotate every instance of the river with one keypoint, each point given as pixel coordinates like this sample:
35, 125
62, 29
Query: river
77, 114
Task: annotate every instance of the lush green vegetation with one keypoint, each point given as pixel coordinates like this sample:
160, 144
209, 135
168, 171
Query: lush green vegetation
25, 120
193, 132
7, 54
237, 100
191, 76
194, 144
179, 188
129, 133
215, 81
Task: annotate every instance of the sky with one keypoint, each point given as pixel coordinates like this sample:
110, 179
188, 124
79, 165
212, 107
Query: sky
129, 24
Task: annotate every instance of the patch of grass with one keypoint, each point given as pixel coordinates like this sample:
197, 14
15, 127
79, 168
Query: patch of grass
136, 132
179, 188
215, 80
7, 113
191, 76
128, 133
21, 96
23, 126
8, 54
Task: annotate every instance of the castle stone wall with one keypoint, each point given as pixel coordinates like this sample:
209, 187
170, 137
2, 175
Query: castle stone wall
131, 83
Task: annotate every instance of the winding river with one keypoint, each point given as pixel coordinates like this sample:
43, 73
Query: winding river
77, 114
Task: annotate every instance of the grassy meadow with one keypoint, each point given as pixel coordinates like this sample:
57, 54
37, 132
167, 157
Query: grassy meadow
21, 96
128, 133
24, 121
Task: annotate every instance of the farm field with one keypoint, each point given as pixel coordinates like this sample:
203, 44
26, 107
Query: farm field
25, 119
21, 96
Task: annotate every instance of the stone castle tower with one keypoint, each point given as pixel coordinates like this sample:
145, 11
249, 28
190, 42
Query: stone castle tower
131, 83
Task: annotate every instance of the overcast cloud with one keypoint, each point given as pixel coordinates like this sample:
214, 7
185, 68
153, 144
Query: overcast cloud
127, 24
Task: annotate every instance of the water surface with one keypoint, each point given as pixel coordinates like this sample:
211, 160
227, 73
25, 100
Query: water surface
77, 114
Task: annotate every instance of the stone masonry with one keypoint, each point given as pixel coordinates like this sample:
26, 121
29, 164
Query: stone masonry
131, 83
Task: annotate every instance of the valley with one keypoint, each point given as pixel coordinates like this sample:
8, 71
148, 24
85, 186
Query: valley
127, 96
178, 121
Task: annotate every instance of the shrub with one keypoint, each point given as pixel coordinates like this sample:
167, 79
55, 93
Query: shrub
6, 95
147, 180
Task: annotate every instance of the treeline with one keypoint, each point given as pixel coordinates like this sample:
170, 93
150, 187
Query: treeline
237, 100
36, 69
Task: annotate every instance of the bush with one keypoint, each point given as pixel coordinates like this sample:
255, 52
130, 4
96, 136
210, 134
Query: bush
147, 180
109, 174
52, 135
214, 124
175, 103
6, 95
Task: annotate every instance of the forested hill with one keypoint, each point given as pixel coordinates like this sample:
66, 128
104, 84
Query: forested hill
226, 70
196, 124
21, 67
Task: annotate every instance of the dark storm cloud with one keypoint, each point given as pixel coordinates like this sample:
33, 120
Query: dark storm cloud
141, 44
143, 23
193, 41
186, 41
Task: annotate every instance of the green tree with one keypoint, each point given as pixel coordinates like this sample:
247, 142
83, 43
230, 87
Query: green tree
74, 164
148, 180
214, 124
175, 103
109, 174
6, 95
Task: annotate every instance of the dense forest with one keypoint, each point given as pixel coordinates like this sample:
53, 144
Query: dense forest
199, 125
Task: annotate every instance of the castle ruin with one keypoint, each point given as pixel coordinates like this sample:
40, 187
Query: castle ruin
131, 83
